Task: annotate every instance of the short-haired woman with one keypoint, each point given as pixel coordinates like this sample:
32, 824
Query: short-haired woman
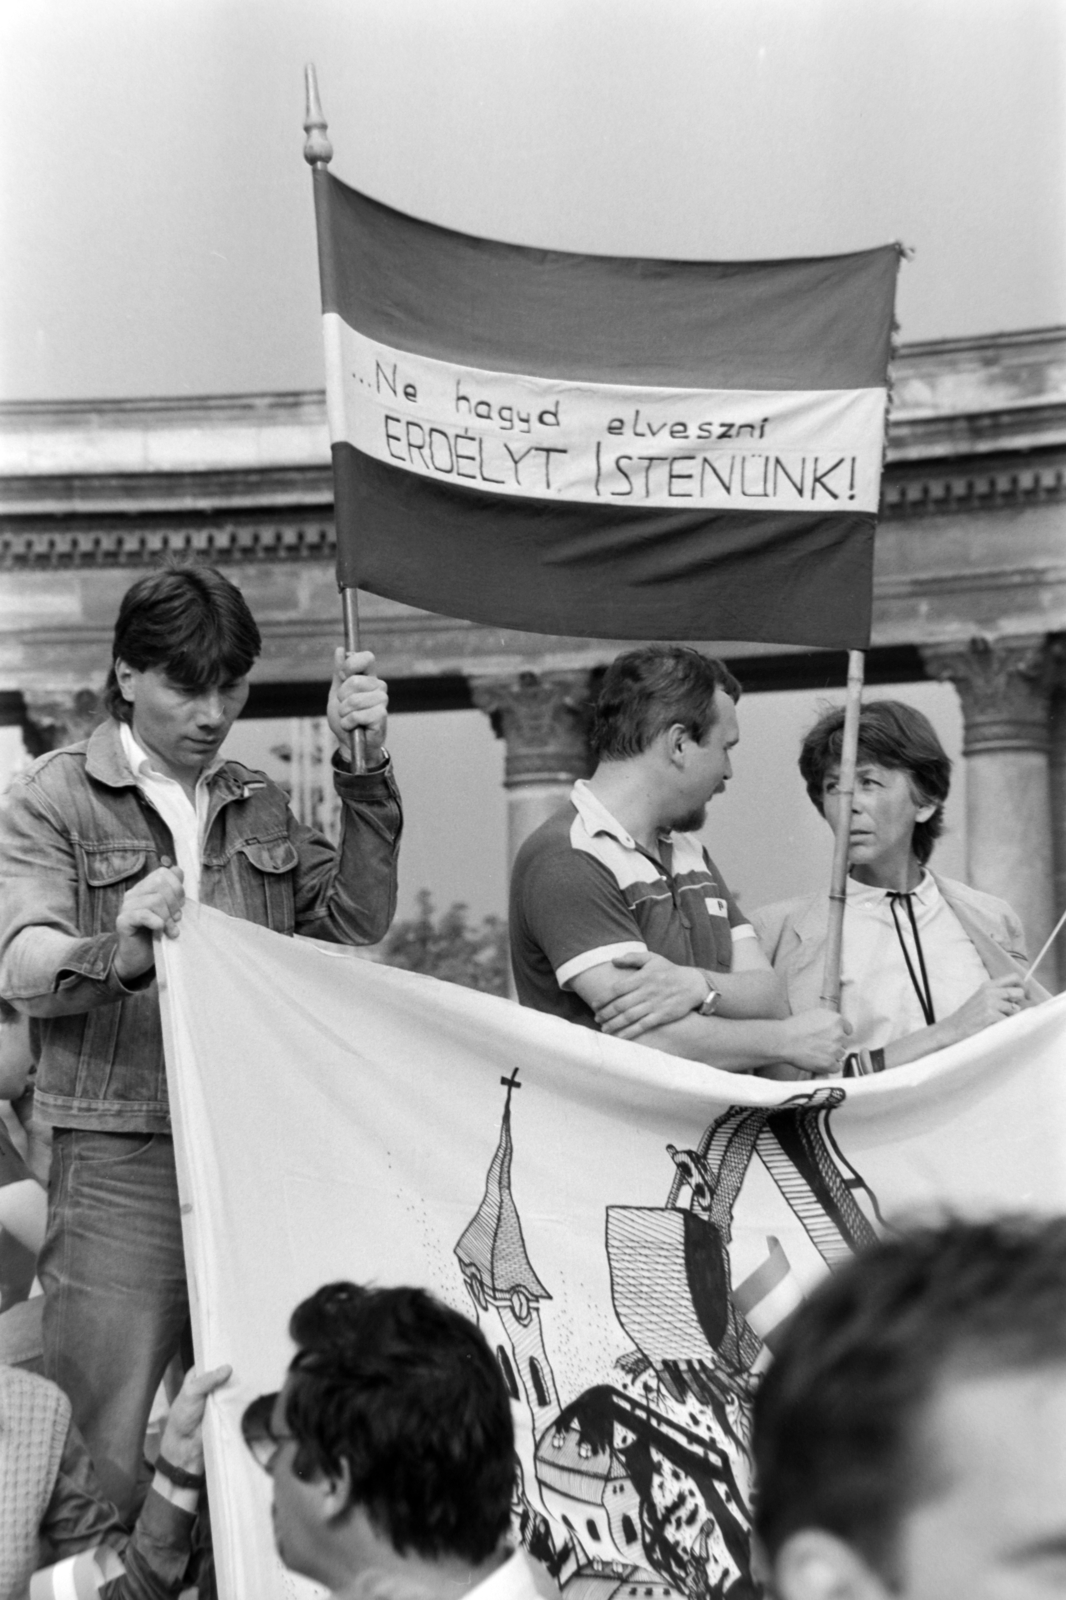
927, 961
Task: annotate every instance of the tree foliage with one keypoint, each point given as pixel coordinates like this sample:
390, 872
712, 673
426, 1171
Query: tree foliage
449, 946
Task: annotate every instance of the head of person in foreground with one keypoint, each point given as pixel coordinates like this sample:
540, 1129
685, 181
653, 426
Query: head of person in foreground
910, 1437
902, 778
390, 1446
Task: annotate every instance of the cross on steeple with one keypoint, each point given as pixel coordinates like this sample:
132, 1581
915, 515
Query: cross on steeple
492, 1251
509, 1084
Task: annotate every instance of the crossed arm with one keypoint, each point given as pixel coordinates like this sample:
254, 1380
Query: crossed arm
647, 998
745, 1032
648, 991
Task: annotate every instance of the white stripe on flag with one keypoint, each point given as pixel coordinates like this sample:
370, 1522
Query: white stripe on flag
604, 444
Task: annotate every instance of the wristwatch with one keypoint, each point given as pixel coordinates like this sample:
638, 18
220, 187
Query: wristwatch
710, 1005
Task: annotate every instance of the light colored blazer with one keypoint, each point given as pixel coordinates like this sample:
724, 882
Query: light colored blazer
793, 934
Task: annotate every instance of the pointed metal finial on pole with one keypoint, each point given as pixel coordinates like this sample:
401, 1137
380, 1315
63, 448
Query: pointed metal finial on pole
318, 152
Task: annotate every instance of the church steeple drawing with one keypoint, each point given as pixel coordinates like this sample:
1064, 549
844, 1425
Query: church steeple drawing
505, 1289
640, 1487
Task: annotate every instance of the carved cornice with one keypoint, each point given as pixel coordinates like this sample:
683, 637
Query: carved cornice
296, 523
298, 534
962, 397
973, 485
544, 719
977, 425
211, 492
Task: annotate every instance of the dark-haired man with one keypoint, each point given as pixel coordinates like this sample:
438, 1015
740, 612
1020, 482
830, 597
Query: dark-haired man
391, 1449
99, 845
910, 1436
619, 918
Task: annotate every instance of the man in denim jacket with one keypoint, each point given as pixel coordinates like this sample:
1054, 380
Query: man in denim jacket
100, 843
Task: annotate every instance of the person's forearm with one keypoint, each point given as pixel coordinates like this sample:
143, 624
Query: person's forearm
350, 895
157, 1555
900, 1052
914, 1046
923, 1042
731, 1046
48, 967
756, 995
783, 1072
949, 1031
47, 973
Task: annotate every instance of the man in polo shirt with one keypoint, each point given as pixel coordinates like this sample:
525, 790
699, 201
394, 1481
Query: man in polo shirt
619, 918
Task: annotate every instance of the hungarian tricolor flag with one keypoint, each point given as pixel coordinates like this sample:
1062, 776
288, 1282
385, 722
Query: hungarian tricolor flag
602, 445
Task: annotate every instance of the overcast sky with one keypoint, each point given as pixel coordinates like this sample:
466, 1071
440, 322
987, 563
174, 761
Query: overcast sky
156, 211
157, 228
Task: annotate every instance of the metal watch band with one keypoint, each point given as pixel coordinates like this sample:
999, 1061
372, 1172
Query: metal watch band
710, 1005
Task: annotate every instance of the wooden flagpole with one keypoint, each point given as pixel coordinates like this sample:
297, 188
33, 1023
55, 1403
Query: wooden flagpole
838, 888
318, 152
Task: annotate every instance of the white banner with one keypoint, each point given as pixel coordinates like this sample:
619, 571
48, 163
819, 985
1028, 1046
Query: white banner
605, 444
628, 1228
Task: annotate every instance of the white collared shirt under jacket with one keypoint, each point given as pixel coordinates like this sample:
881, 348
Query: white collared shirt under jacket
187, 821
967, 937
877, 994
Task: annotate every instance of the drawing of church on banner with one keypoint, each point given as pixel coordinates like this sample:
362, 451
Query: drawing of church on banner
641, 1484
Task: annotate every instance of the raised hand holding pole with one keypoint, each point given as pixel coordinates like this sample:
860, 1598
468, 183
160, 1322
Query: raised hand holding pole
838, 887
318, 153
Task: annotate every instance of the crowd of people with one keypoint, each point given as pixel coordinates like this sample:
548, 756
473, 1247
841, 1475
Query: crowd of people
909, 1441
390, 1442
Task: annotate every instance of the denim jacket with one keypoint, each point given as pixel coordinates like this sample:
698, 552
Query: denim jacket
76, 832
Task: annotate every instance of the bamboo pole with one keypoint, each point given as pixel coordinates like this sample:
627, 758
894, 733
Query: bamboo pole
350, 608
838, 887
1048, 942
318, 153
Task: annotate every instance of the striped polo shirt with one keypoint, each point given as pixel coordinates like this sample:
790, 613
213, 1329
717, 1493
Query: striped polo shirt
583, 892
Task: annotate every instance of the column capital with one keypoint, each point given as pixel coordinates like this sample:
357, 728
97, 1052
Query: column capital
62, 716
1004, 686
544, 718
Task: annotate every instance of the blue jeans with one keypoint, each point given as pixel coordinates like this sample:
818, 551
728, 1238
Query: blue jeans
116, 1302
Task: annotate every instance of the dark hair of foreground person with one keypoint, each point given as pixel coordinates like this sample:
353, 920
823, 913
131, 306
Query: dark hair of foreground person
407, 1393
839, 1428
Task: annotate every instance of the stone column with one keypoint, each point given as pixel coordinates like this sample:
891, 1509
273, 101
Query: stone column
1057, 729
544, 718
1005, 687
56, 717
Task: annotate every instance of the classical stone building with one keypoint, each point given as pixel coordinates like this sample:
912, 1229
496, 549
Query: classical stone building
970, 584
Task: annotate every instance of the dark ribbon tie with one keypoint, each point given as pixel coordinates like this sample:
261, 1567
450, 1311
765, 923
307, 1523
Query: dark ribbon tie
921, 988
